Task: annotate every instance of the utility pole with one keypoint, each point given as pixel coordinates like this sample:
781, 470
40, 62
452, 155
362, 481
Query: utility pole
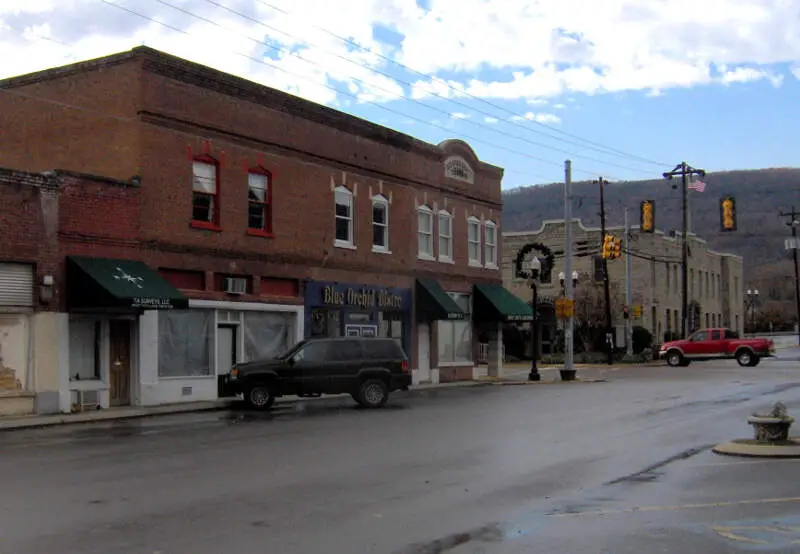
793, 223
568, 338
606, 292
628, 324
685, 171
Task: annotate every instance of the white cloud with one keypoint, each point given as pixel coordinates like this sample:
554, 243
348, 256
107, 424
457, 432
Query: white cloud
460, 115
538, 117
530, 51
489, 119
796, 72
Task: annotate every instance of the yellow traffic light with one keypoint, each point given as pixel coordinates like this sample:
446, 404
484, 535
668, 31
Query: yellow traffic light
608, 246
727, 210
617, 246
648, 216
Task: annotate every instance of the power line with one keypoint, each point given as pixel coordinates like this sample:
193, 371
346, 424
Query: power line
479, 99
331, 87
362, 82
393, 78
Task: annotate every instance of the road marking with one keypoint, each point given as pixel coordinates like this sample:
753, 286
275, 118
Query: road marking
733, 533
723, 504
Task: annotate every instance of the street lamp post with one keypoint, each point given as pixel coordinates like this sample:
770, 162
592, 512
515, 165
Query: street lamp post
751, 303
535, 270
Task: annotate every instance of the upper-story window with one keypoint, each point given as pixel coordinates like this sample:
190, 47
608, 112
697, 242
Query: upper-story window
380, 223
456, 167
259, 201
345, 220
474, 240
490, 245
425, 232
205, 191
445, 236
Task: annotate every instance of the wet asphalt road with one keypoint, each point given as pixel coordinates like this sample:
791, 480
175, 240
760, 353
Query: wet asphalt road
618, 467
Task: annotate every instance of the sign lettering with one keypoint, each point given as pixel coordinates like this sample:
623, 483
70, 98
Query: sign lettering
153, 303
361, 298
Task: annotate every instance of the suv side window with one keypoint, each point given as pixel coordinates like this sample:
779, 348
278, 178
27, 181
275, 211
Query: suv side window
344, 350
377, 350
313, 352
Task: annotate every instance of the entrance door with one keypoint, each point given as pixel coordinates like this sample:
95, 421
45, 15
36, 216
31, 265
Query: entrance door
226, 348
424, 350
119, 337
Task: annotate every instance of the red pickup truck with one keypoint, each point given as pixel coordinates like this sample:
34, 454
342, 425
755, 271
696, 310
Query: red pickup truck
716, 344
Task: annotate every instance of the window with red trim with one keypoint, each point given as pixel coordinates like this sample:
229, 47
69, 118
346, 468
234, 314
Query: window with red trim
205, 190
259, 198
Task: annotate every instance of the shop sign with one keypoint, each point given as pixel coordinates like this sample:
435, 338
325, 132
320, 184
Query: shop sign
361, 298
152, 303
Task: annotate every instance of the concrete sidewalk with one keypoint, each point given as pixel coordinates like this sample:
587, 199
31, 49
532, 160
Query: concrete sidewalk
133, 412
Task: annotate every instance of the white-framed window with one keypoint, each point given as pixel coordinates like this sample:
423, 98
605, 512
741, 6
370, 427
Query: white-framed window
455, 337
380, 223
86, 349
425, 232
474, 240
445, 236
490, 245
344, 218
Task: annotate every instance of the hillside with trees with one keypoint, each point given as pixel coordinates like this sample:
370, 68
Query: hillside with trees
760, 196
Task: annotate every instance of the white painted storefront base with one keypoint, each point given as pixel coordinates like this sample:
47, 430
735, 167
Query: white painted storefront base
147, 388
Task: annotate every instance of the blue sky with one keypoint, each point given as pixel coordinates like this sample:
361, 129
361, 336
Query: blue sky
625, 75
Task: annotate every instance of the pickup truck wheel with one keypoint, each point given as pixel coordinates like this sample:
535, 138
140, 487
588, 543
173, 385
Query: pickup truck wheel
259, 397
674, 358
755, 360
744, 358
373, 393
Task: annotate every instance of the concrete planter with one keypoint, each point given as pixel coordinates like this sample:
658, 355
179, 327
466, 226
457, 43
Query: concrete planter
769, 428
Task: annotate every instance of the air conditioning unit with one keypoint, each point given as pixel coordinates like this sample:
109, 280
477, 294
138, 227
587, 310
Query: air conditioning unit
234, 285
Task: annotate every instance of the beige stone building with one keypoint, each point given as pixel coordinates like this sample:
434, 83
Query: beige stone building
715, 279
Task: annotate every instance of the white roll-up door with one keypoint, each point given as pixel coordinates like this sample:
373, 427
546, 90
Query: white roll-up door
16, 285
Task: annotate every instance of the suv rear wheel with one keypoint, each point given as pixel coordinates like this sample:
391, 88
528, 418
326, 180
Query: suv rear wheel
373, 393
259, 397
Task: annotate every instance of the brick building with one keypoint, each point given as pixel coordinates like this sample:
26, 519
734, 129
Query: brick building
715, 283
272, 218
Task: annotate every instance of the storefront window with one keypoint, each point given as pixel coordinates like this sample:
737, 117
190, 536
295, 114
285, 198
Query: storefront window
184, 343
326, 323
455, 337
85, 342
391, 326
266, 334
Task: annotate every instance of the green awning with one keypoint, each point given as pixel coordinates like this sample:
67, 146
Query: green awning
493, 303
110, 283
433, 303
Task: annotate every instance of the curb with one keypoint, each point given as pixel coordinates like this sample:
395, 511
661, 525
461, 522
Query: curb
35, 422
746, 448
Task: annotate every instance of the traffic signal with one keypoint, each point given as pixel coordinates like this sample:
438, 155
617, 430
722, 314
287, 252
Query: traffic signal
616, 249
648, 216
625, 313
608, 247
727, 212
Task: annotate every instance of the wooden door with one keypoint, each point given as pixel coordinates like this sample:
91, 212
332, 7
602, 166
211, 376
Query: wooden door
120, 361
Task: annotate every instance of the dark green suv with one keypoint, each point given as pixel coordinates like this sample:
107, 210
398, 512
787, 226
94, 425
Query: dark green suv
366, 368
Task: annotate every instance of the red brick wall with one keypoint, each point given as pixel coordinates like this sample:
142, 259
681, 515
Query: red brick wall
28, 224
81, 122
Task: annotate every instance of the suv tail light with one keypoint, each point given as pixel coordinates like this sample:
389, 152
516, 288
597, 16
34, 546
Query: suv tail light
404, 366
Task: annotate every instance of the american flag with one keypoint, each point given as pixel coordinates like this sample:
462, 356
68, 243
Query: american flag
699, 186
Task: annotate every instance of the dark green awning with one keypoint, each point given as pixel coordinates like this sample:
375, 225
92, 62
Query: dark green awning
493, 303
433, 303
110, 283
